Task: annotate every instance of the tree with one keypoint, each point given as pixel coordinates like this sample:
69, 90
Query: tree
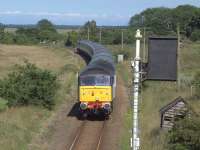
27, 36
194, 24
1, 31
195, 36
45, 24
183, 15
47, 31
92, 27
1, 28
163, 21
157, 19
8, 38
72, 39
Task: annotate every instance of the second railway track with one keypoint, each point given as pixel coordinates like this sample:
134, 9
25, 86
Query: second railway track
88, 136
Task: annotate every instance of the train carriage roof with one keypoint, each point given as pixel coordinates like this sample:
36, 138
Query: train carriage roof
101, 60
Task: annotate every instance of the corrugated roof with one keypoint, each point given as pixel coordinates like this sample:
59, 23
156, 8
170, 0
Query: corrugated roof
100, 58
173, 103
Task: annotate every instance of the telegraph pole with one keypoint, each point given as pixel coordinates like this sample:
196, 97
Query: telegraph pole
144, 48
88, 33
144, 44
122, 40
79, 31
136, 86
100, 32
178, 56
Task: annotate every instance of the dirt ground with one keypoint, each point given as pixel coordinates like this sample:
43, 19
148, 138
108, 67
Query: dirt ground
114, 127
66, 124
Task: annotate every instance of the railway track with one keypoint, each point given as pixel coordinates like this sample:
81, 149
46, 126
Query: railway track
88, 136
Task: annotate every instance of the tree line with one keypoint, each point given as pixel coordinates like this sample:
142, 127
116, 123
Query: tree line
46, 32
43, 32
102, 34
164, 21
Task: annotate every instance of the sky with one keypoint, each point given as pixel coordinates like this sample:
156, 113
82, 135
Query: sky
77, 12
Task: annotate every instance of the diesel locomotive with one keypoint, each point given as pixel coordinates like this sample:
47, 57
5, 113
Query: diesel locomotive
97, 81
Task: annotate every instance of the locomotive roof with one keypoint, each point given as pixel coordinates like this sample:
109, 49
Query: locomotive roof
101, 60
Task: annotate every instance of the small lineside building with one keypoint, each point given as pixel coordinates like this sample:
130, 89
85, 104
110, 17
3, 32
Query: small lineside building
173, 111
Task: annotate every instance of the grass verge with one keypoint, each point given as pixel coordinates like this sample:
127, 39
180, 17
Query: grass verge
19, 126
156, 94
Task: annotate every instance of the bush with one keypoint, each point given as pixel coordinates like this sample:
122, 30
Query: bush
185, 134
195, 36
29, 85
72, 39
7, 38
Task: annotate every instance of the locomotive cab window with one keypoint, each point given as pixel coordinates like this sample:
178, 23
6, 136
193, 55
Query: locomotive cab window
96, 80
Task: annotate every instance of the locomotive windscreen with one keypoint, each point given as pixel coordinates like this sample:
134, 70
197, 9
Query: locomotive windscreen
162, 59
95, 80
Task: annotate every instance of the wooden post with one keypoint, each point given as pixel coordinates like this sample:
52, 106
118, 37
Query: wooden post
178, 57
144, 48
88, 33
122, 40
191, 90
100, 35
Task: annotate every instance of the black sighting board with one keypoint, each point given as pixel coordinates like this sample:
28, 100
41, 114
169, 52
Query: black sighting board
162, 59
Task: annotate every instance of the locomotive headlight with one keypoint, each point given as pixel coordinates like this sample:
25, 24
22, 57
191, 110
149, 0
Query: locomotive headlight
107, 106
83, 106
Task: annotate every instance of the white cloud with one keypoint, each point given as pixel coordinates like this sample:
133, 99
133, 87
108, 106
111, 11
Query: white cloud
65, 14
10, 13
20, 17
40, 13
53, 14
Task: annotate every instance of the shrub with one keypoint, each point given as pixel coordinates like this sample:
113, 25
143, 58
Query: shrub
7, 38
195, 36
185, 134
29, 85
72, 39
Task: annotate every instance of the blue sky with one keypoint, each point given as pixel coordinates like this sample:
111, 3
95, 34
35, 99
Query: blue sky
77, 12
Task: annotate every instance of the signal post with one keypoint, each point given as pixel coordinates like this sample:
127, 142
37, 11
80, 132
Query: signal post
136, 86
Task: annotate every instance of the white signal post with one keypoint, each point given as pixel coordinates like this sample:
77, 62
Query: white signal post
136, 85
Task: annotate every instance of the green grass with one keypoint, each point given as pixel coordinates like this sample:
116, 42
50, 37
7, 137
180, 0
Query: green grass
10, 30
125, 139
18, 126
65, 31
3, 104
61, 31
